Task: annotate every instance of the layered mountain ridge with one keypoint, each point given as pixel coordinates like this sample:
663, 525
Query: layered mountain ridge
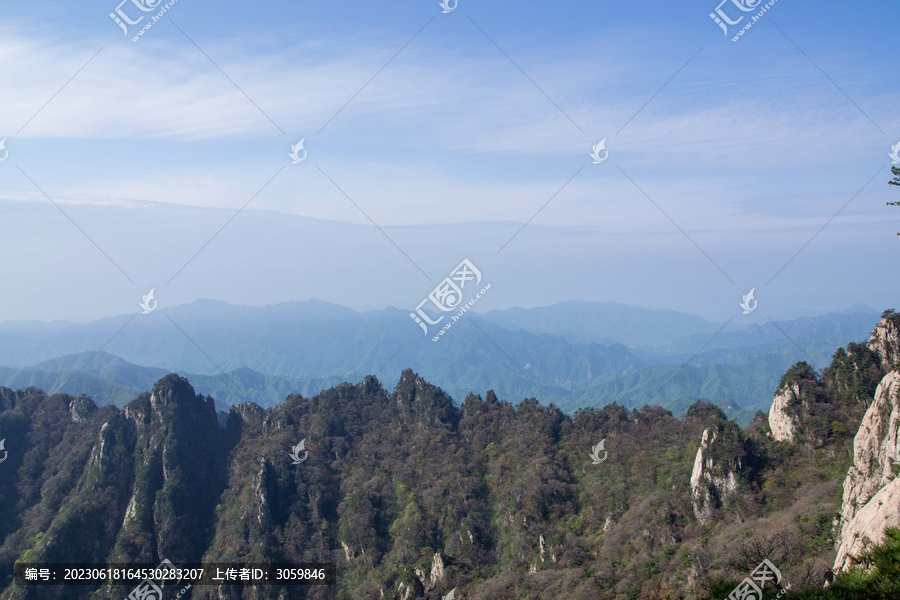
412, 495
617, 353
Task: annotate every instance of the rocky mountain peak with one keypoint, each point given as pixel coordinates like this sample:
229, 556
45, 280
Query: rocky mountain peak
249, 410
81, 408
781, 422
717, 469
171, 390
370, 385
423, 401
7, 398
885, 340
814, 411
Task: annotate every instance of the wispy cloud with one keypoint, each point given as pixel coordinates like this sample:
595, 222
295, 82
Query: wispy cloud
453, 99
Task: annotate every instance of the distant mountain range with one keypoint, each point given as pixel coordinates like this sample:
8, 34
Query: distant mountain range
605, 323
574, 354
110, 380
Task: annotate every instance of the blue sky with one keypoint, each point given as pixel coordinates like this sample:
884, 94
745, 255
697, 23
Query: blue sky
725, 158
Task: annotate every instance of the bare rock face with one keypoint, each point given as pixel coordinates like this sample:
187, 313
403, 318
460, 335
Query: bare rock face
81, 409
410, 590
780, 422
885, 341
437, 571
430, 581
406, 590
867, 527
711, 483
871, 492
263, 477
347, 553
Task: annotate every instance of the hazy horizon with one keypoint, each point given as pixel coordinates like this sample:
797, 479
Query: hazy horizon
795, 313
430, 138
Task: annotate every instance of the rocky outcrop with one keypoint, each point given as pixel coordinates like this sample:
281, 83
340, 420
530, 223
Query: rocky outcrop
885, 340
410, 590
81, 409
437, 571
712, 483
783, 426
802, 404
871, 494
867, 527
347, 553
430, 581
421, 401
263, 483
7, 398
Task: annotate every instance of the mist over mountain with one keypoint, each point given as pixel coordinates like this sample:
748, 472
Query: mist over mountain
355, 266
261, 354
110, 380
606, 322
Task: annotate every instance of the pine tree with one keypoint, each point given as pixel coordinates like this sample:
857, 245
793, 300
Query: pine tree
895, 181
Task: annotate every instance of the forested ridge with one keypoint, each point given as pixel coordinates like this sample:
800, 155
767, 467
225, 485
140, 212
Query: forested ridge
412, 496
